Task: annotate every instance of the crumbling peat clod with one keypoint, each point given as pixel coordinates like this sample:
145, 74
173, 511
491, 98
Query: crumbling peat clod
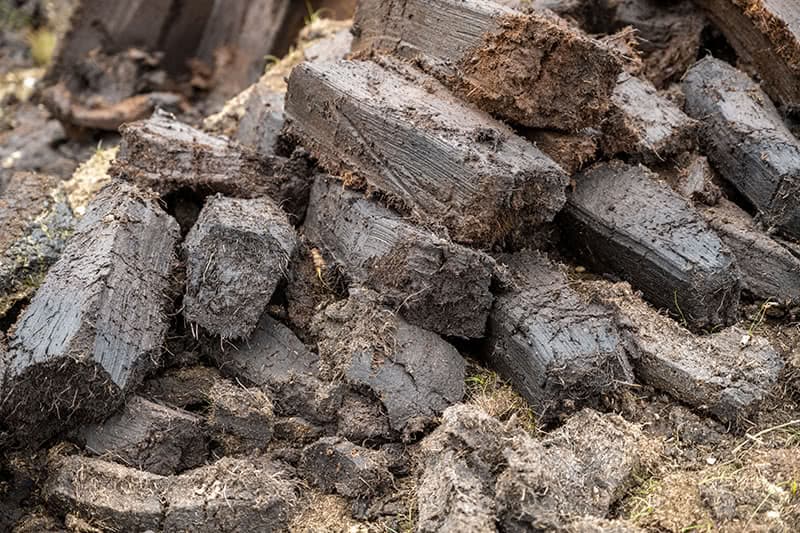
107, 493
149, 436
336, 465
495, 57
433, 283
746, 140
97, 324
37, 221
769, 270
441, 161
766, 37
726, 374
553, 346
413, 372
572, 151
237, 252
693, 178
230, 495
645, 125
168, 156
477, 473
621, 220
240, 419
581, 469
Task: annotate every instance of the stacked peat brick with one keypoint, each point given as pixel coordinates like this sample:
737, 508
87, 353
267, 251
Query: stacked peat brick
391, 207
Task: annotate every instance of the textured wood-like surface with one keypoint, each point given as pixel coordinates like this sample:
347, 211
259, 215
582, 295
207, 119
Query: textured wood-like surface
97, 323
746, 140
37, 221
443, 162
714, 373
433, 283
622, 221
168, 156
551, 344
769, 270
413, 372
150, 437
645, 125
529, 68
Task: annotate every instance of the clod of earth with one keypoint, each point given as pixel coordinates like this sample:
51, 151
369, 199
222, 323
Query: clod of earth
229, 495
556, 349
336, 465
240, 419
36, 221
769, 270
766, 37
276, 361
150, 437
478, 474
645, 125
717, 373
414, 372
669, 35
529, 68
168, 156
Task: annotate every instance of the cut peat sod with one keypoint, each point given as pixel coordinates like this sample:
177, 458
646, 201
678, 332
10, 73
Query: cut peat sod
237, 252
97, 323
622, 221
746, 139
529, 68
439, 160
167, 156
766, 35
553, 346
433, 283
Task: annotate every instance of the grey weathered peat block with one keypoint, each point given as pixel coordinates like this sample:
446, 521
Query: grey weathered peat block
150, 437
236, 254
531, 68
769, 270
726, 374
413, 372
97, 323
165, 155
229, 495
433, 283
746, 140
621, 220
440, 160
551, 344
37, 221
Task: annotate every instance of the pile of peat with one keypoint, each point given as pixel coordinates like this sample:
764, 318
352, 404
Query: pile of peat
451, 265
